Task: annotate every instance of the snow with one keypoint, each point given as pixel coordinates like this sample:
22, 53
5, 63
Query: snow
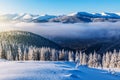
104, 14
3, 60
27, 16
18, 16
22, 16
40, 70
112, 69
46, 17
118, 14
72, 14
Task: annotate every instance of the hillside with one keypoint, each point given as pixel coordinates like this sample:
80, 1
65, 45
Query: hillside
24, 46
26, 38
100, 45
21, 45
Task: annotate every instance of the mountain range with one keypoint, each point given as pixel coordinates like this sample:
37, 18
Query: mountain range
78, 17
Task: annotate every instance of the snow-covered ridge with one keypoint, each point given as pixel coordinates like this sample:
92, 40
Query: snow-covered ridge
69, 18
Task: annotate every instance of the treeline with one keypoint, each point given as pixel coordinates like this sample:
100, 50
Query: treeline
107, 60
18, 52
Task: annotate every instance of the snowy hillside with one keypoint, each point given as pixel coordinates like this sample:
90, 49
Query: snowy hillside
25, 38
38, 70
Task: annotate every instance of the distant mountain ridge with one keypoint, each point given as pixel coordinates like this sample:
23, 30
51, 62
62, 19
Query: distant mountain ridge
77, 17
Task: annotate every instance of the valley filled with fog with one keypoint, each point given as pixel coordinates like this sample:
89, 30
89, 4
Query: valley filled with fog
77, 30
80, 36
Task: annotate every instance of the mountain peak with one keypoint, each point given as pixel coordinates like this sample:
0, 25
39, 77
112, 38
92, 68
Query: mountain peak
27, 16
104, 14
72, 14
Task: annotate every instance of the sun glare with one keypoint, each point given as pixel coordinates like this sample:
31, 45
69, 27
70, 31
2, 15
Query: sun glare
5, 26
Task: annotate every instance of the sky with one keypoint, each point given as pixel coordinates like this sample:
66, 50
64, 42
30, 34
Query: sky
58, 6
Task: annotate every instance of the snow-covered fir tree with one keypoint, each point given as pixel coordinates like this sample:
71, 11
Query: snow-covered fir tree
24, 52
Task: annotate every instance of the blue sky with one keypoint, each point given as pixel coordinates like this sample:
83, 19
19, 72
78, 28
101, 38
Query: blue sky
58, 6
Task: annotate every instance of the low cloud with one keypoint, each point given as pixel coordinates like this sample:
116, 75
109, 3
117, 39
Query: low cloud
78, 30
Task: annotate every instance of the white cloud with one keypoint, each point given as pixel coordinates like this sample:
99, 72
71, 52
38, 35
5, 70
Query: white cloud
98, 29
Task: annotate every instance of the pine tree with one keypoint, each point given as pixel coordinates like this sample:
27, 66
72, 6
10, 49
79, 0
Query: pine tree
20, 54
99, 60
113, 61
61, 55
42, 52
65, 55
81, 58
90, 60
53, 51
108, 58
104, 61
0, 51
71, 56
84, 59
95, 59
77, 59
118, 60
30, 53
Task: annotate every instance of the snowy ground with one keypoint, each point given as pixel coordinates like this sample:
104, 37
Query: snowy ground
38, 70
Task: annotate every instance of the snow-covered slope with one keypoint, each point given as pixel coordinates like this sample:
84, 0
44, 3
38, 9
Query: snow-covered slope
43, 18
87, 17
25, 17
38, 70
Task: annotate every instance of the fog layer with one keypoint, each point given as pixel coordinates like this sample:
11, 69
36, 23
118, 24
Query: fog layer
78, 30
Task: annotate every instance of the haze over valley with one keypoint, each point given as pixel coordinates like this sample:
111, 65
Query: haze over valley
74, 36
